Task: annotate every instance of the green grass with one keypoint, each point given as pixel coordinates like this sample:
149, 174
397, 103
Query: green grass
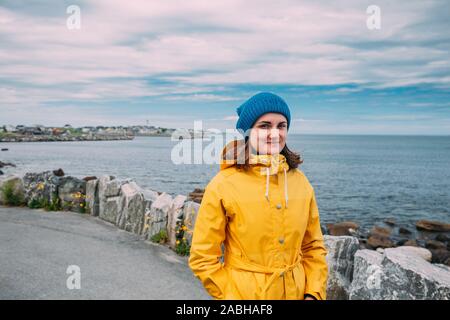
74, 132
160, 237
7, 135
53, 205
183, 248
10, 198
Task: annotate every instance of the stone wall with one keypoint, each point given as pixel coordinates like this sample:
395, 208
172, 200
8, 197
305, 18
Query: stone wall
394, 273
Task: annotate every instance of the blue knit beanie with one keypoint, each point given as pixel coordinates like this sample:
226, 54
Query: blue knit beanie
259, 104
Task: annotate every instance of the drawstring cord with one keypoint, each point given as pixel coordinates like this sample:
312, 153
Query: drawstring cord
285, 185
285, 188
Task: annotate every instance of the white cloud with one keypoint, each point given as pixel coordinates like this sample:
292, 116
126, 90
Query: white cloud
202, 46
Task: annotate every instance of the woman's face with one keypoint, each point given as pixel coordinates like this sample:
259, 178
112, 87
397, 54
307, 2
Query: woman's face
269, 133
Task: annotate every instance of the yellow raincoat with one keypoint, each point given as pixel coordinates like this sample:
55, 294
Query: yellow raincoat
268, 221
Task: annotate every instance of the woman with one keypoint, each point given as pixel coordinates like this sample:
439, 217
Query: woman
264, 212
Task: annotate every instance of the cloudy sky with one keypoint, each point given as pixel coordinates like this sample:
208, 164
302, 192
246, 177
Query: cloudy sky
173, 62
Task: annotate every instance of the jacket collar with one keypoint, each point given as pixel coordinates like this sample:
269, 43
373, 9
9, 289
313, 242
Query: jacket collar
268, 165
275, 162
264, 165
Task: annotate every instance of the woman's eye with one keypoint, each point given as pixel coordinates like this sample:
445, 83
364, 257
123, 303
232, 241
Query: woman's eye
264, 126
282, 125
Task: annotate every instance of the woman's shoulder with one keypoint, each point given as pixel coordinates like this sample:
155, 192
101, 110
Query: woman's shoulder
221, 177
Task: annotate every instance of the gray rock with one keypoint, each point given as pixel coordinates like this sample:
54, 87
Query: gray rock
112, 188
40, 188
156, 217
111, 209
399, 273
416, 251
190, 211
108, 194
102, 182
72, 193
131, 208
92, 199
367, 276
341, 250
149, 197
174, 216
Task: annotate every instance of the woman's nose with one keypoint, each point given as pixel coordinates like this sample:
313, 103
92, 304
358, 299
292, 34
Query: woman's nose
274, 134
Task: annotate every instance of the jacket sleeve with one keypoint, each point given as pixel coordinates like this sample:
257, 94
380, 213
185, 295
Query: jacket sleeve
314, 255
208, 235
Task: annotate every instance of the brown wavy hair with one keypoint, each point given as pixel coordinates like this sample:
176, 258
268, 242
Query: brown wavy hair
240, 150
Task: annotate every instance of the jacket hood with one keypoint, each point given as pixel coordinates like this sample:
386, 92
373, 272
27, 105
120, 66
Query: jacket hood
265, 165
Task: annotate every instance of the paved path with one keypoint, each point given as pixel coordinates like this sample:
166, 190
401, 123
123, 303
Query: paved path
36, 248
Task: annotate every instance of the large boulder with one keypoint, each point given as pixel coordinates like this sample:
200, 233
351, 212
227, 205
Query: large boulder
12, 191
156, 217
415, 251
109, 197
149, 197
190, 211
102, 182
341, 251
110, 209
367, 273
399, 273
92, 199
132, 208
175, 218
41, 189
72, 194
112, 188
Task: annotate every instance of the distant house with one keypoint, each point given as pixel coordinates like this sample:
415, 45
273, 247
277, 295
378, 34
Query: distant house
9, 128
88, 129
37, 130
57, 131
67, 126
30, 131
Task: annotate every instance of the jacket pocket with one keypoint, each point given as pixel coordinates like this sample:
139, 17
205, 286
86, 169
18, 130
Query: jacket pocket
300, 280
243, 285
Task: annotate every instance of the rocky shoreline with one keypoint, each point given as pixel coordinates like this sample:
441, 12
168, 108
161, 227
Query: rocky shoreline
5, 164
379, 264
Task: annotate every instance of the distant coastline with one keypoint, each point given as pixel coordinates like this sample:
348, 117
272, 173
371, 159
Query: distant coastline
40, 133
